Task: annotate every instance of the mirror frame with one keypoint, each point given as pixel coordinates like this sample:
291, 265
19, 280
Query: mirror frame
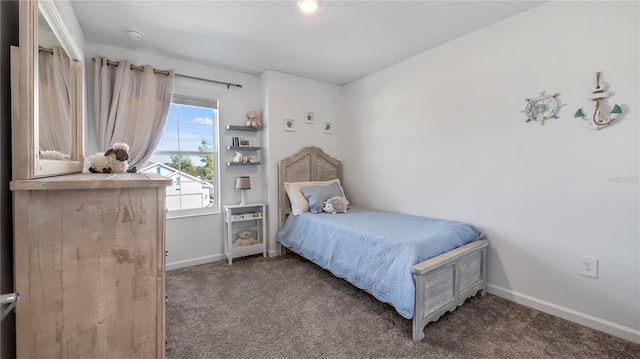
26, 163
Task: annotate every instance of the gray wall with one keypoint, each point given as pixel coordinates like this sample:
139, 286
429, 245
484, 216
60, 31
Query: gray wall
8, 37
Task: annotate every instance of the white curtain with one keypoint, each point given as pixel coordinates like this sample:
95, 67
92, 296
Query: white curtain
55, 101
131, 106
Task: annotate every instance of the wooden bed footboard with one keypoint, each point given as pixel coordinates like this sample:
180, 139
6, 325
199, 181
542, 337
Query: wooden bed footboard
444, 282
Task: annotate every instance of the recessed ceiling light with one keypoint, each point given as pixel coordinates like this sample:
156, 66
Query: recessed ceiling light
308, 5
134, 34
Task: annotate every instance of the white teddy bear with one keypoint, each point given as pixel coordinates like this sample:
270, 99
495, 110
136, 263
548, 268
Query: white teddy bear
253, 119
240, 158
245, 238
335, 204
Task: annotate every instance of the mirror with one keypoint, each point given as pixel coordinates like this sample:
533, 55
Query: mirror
54, 114
47, 116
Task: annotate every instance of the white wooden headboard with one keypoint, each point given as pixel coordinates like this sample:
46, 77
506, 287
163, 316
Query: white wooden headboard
310, 164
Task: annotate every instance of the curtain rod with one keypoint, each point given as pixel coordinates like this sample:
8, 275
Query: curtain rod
164, 72
49, 50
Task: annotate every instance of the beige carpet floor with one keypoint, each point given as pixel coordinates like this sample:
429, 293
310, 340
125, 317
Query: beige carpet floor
287, 307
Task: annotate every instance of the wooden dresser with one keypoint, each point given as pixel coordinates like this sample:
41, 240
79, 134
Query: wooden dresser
89, 266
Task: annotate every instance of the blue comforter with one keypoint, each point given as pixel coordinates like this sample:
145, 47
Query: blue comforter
374, 250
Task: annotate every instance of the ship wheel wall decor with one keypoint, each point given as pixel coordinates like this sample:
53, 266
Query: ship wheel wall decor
596, 121
542, 108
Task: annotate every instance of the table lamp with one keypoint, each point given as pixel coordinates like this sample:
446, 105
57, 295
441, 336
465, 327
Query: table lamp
243, 183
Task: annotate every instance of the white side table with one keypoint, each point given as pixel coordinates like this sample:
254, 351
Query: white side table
244, 217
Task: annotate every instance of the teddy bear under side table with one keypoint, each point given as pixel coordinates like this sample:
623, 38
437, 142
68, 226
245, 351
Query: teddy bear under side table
244, 230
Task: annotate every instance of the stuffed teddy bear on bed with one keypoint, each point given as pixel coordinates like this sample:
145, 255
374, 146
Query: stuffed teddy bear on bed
335, 204
245, 238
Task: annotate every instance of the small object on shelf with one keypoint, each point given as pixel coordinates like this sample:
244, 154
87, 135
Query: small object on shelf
244, 142
243, 183
246, 216
253, 120
240, 158
245, 238
597, 121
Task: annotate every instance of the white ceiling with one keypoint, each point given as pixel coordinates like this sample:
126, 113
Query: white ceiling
341, 42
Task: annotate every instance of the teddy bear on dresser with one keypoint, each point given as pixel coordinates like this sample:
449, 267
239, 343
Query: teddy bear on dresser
245, 238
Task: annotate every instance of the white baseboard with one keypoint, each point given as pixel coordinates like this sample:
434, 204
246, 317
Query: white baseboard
193, 262
568, 314
205, 259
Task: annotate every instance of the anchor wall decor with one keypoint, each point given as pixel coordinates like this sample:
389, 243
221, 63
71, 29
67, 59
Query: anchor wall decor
596, 121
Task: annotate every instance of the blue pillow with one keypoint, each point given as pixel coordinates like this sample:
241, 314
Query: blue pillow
316, 195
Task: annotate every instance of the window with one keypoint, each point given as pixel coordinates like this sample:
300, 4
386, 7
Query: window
188, 154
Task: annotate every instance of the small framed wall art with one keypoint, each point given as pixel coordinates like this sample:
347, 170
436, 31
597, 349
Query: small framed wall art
289, 124
327, 127
308, 117
244, 142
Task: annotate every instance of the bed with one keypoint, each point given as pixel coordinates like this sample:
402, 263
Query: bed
423, 276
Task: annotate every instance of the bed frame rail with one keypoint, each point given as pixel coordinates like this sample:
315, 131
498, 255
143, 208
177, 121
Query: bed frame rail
444, 282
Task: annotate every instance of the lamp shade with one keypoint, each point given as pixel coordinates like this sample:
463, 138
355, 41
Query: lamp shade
243, 182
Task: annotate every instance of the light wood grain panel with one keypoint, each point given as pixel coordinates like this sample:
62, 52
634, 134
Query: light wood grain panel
444, 282
160, 277
93, 279
92, 181
449, 257
23, 147
470, 271
77, 70
22, 270
439, 287
45, 282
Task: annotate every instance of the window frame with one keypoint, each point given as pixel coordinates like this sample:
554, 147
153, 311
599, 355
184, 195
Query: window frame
213, 103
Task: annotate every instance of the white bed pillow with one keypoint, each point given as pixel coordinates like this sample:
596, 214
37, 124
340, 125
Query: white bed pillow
299, 204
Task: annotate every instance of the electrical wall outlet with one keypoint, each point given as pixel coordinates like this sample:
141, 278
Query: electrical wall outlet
589, 266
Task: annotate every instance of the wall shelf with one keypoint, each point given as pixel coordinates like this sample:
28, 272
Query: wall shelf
241, 128
245, 148
229, 164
